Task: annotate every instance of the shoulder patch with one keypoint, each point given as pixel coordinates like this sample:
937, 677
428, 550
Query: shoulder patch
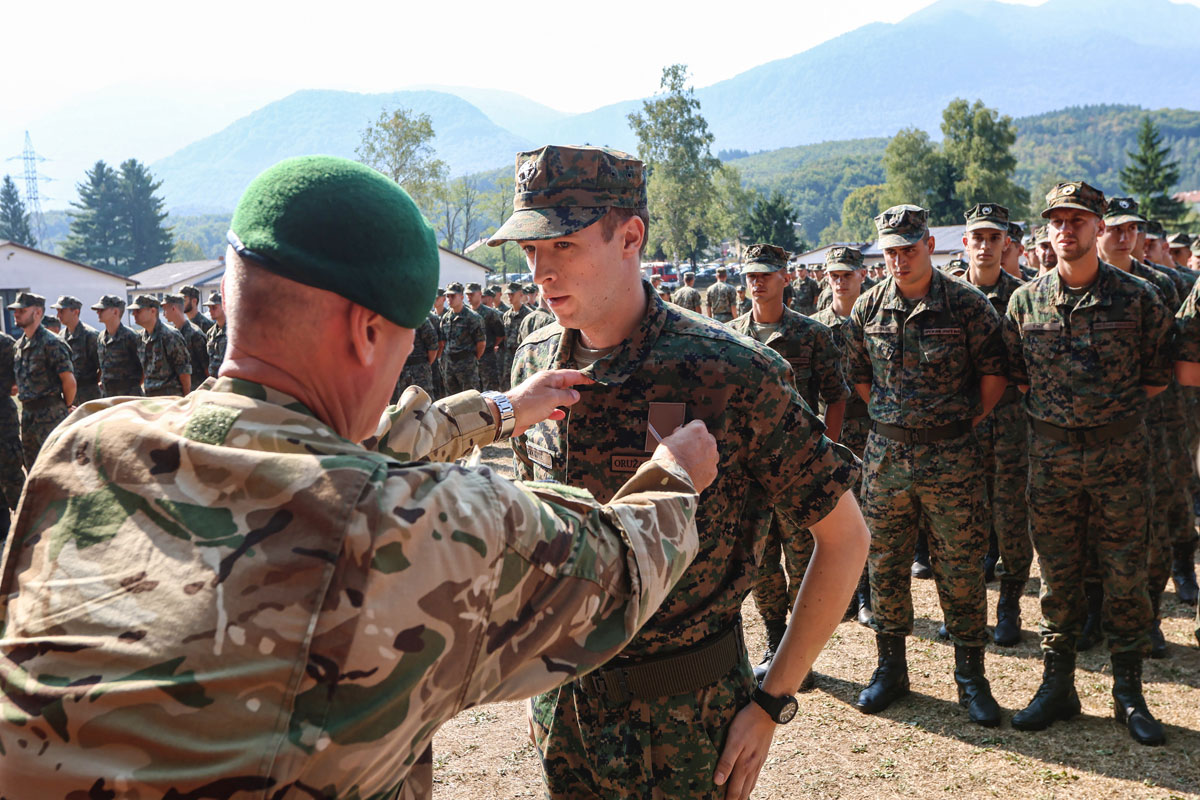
210, 423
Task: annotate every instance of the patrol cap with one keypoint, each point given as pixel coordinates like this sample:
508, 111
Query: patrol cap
1179, 240
173, 299
1041, 234
722, 271
1154, 229
334, 224
52, 323
454, 288
1076, 194
1015, 231
991, 216
144, 301
843, 259
955, 266
515, 287
108, 301
67, 301
188, 290
440, 292
1120, 210
28, 300
901, 226
214, 299
764, 259
474, 287
531, 288
490, 291
689, 274
562, 189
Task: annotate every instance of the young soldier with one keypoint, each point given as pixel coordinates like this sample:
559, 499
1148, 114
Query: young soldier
83, 340
1002, 433
1089, 344
217, 338
927, 355
45, 379
687, 296
805, 291
191, 308
117, 348
720, 299
492, 360
166, 365
678, 713
1187, 364
465, 342
518, 310
197, 343
809, 347
1177, 247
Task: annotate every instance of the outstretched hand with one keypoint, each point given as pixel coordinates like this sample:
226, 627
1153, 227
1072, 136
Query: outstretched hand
543, 395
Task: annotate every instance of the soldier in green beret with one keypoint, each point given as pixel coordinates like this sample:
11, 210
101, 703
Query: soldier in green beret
927, 356
273, 606
492, 360
193, 337
44, 375
679, 713
1088, 451
166, 362
83, 340
191, 308
117, 348
465, 342
217, 339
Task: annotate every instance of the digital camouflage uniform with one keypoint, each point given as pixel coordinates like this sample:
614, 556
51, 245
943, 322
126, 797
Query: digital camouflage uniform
38, 362
772, 454
197, 346
197, 318
687, 297
1086, 357
856, 423
217, 596
120, 362
164, 356
12, 474
1187, 342
804, 295
492, 362
439, 386
462, 331
537, 318
216, 343
417, 370
721, 299
512, 337
923, 361
85, 360
818, 373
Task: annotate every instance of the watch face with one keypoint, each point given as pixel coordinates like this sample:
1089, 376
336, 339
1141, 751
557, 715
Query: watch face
788, 712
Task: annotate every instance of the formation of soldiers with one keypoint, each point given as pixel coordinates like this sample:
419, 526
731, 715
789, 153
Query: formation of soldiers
52, 373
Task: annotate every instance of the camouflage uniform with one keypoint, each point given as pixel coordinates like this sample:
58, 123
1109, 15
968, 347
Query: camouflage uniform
462, 331
856, 423
85, 360
164, 357
197, 317
537, 318
720, 299
120, 362
772, 453
12, 476
687, 297
923, 361
512, 337
493, 359
197, 345
439, 386
804, 297
417, 369
38, 362
215, 344
275, 611
1187, 328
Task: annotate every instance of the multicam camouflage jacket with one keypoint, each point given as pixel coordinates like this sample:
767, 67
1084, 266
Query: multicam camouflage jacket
924, 364
37, 363
677, 367
809, 348
1187, 327
1085, 357
218, 597
720, 298
120, 364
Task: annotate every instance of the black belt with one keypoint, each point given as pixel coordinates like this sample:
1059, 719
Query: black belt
680, 672
48, 401
461, 355
922, 435
856, 411
1101, 433
1011, 395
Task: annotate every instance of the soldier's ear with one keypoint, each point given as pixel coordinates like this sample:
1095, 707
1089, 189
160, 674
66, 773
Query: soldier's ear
634, 234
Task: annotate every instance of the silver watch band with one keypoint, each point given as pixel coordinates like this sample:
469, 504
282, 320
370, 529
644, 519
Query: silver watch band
508, 418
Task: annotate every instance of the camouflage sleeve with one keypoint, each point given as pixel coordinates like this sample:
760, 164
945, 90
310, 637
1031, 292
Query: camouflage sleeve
496, 324
985, 341
478, 335
418, 428
1014, 348
58, 358
856, 350
1156, 343
827, 360
427, 338
92, 354
1187, 327
177, 352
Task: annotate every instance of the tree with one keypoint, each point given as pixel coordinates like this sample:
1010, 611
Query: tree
730, 205
400, 145
14, 221
1150, 176
918, 173
978, 146
94, 238
187, 250
675, 143
770, 221
145, 240
859, 210
459, 208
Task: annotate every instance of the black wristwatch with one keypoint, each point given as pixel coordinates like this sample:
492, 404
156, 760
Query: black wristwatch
780, 709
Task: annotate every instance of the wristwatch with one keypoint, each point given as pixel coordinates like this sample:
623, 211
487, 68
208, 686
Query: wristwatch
780, 709
508, 418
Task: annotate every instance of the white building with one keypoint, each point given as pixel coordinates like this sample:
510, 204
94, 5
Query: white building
947, 245
168, 278
24, 269
457, 267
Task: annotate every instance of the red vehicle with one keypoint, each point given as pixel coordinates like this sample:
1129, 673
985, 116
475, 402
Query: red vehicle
664, 269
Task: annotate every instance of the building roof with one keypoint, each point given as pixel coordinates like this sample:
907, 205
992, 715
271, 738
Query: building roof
456, 254
946, 239
175, 272
129, 279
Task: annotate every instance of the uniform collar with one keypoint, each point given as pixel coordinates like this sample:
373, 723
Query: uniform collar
615, 367
256, 391
934, 300
38, 338
1098, 294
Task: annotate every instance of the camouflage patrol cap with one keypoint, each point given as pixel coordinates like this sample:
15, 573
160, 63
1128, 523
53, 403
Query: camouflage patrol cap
531, 288
172, 299
108, 301
1120, 210
214, 299
454, 288
1076, 194
440, 292
764, 259
688, 274
144, 301
1041, 234
1179, 240
187, 290
516, 287
992, 216
67, 301
955, 266
563, 189
722, 271
1155, 229
490, 291
843, 259
1015, 231
28, 300
474, 287
901, 226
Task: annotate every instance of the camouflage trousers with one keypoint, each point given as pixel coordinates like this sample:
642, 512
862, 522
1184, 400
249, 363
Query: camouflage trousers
419, 374
12, 476
121, 389
775, 594
854, 435
1160, 504
85, 390
36, 425
1085, 501
172, 388
666, 749
461, 376
1003, 439
938, 485
506, 374
489, 370
722, 316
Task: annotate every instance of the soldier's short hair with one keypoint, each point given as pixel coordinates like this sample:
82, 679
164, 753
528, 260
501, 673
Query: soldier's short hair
616, 217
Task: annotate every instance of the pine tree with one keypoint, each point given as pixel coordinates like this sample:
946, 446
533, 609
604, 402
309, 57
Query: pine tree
1150, 176
146, 242
95, 228
770, 221
14, 221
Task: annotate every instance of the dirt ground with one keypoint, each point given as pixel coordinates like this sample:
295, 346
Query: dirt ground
923, 745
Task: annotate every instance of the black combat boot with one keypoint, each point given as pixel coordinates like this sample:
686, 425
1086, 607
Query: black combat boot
974, 691
1055, 699
890, 680
1008, 614
1129, 706
1092, 632
991, 559
865, 614
1183, 571
775, 630
1158, 642
920, 565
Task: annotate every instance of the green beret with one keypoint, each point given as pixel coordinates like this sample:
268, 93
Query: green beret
338, 225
